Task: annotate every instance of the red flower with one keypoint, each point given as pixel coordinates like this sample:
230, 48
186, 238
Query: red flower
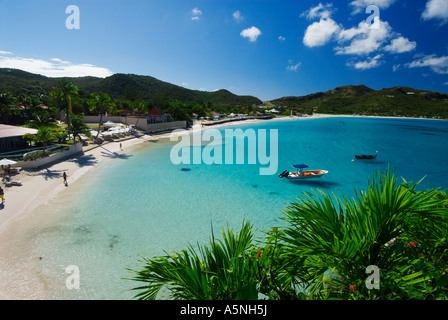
352, 288
412, 244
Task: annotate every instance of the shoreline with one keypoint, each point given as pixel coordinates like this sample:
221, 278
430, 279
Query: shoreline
41, 186
38, 188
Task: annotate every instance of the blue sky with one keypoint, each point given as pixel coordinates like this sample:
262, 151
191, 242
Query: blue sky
268, 49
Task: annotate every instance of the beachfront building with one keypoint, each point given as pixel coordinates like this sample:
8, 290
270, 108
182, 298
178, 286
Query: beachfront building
11, 138
155, 115
217, 116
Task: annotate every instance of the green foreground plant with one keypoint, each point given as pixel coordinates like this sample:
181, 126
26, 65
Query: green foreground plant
322, 252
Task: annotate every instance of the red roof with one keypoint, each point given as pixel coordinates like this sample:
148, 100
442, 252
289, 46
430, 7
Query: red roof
155, 112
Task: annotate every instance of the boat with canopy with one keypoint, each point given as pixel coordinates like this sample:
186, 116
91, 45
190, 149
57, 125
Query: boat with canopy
302, 174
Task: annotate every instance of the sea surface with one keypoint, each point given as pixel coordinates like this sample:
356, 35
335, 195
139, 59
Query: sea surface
141, 204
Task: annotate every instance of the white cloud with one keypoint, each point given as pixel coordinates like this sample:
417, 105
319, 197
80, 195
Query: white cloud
196, 14
437, 64
251, 33
370, 63
349, 34
53, 67
446, 83
401, 45
367, 40
436, 9
5, 52
396, 67
237, 16
294, 67
320, 33
364, 39
281, 38
361, 5
320, 11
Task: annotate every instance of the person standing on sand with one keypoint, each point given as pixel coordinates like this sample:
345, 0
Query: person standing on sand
64, 175
2, 195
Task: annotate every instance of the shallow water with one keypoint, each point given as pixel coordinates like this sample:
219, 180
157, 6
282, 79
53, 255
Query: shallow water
142, 204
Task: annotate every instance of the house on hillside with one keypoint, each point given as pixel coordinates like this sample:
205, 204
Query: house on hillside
155, 115
273, 111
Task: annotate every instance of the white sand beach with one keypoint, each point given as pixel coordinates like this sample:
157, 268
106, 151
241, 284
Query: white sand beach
39, 188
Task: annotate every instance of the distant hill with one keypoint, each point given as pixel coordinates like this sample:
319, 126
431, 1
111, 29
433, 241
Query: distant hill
395, 101
351, 99
123, 86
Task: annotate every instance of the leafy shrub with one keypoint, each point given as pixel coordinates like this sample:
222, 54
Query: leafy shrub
34, 155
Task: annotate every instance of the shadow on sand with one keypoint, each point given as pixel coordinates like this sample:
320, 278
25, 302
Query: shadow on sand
49, 174
114, 155
85, 160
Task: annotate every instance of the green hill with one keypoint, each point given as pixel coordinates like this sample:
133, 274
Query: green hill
396, 101
123, 86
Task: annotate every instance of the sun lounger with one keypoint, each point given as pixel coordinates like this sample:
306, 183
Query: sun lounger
16, 169
13, 183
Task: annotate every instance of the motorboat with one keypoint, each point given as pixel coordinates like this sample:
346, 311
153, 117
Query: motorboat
366, 157
301, 174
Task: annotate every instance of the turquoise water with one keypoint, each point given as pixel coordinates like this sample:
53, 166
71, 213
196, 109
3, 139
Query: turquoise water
141, 204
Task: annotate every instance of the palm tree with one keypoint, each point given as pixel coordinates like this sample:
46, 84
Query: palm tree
6, 106
63, 95
226, 269
336, 240
99, 103
42, 118
322, 252
78, 127
141, 108
31, 103
44, 135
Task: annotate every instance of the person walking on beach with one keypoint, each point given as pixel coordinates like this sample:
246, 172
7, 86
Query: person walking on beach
64, 175
2, 195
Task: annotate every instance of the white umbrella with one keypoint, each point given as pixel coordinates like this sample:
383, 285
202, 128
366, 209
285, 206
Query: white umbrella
5, 162
109, 123
93, 133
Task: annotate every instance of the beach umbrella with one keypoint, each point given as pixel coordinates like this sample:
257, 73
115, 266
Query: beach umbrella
109, 123
93, 133
5, 162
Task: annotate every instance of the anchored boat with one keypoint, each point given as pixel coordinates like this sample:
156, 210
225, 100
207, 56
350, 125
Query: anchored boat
302, 174
366, 157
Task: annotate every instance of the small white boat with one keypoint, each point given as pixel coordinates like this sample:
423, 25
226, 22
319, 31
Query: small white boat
301, 174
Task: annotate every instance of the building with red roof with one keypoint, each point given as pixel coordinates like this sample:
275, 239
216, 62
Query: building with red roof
155, 115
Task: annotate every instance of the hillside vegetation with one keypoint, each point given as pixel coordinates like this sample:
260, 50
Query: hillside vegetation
125, 87
396, 101
128, 90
